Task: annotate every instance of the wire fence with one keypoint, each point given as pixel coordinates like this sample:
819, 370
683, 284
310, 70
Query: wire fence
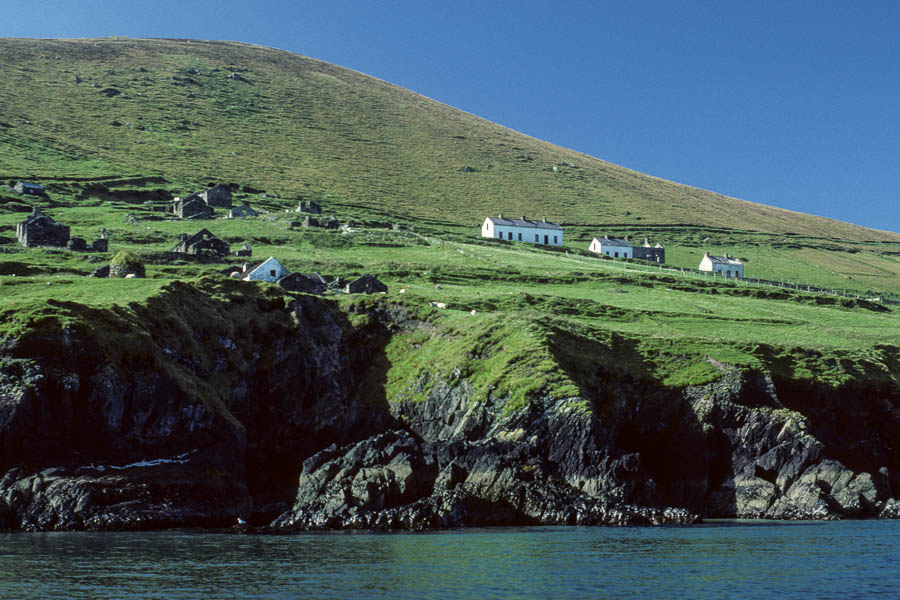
711, 276
688, 273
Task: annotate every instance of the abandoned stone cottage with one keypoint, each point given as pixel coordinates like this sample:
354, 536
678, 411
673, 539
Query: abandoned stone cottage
192, 207
201, 243
40, 230
242, 211
650, 253
218, 196
310, 207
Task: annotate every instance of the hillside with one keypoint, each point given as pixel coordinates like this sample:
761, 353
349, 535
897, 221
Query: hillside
197, 111
494, 382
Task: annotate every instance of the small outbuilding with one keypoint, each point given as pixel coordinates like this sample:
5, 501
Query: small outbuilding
612, 247
650, 253
29, 188
244, 250
269, 270
727, 266
40, 230
367, 284
241, 211
307, 284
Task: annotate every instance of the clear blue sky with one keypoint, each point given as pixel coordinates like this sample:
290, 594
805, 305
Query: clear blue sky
790, 103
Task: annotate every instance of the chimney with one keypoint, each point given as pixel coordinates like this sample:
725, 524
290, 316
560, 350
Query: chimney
627, 238
500, 216
523, 218
706, 255
544, 219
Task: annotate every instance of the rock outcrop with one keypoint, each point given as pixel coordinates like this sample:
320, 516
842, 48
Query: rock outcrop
219, 401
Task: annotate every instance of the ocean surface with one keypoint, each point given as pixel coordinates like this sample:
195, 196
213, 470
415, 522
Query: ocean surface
854, 559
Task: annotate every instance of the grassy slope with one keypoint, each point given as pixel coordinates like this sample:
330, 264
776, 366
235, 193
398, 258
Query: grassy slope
373, 152
544, 323
296, 126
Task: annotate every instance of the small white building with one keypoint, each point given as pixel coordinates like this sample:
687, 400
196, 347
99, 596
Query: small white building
269, 270
728, 266
523, 230
612, 247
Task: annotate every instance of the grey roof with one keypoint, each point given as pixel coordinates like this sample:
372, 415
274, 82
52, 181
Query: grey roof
525, 223
613, 241
724, 260
29, 184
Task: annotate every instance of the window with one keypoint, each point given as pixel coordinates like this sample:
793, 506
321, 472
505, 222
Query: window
537, 238
520, 236
510, 235
554, 240
499, 234
617, 255
546, 239
272, 272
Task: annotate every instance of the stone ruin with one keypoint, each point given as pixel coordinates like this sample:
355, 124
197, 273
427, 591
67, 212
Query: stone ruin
218, 195
307, 284
200, 206
201, 243
40, 230
241, 211
244, 250
192, 207
367, 284
310, 207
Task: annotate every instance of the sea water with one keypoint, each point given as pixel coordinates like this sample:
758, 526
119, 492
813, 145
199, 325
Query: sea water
851, 559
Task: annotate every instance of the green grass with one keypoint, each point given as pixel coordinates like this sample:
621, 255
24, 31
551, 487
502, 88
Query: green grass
546, 323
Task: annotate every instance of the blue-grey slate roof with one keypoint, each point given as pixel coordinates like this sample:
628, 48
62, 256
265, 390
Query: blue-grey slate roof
525, 223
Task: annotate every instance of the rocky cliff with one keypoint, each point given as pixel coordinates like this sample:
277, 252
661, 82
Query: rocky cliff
221, 400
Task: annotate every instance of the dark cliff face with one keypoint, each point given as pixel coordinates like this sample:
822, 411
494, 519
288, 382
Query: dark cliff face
743, 446
208, 421
201, 408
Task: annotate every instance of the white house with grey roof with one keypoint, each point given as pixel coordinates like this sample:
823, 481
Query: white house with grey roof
612, 247
269, 270
523, 230
728, 266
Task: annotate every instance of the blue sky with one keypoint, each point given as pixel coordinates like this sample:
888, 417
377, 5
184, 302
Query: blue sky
790, 103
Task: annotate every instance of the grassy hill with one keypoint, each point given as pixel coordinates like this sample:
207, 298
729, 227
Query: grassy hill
194, 112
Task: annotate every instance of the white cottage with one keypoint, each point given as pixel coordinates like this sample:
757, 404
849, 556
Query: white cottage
523, 230
269, 270
728, 266
613, 247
